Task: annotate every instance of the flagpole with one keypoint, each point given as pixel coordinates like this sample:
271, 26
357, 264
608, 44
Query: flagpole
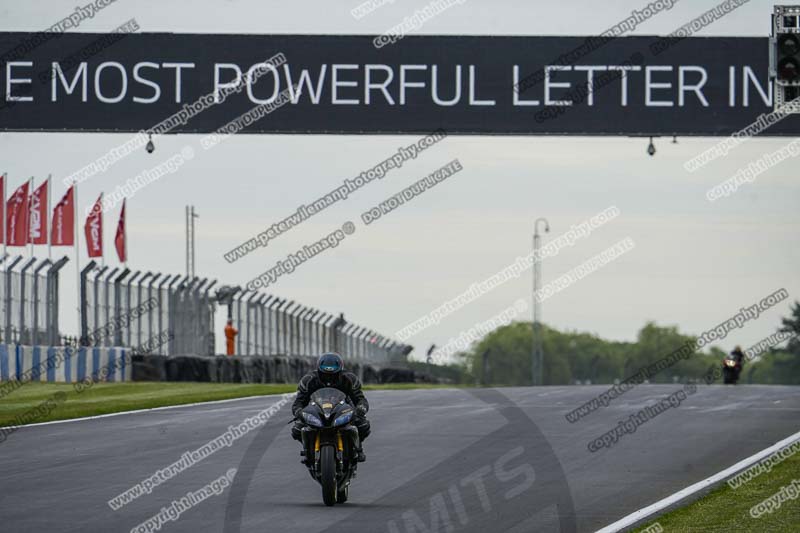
77, 254
28, 220
125, 232
49, 217
5, 237
102, 252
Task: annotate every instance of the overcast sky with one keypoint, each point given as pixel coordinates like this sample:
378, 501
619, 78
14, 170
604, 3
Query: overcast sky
695, 263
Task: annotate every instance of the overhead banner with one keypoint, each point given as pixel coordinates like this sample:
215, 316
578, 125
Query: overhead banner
189, 83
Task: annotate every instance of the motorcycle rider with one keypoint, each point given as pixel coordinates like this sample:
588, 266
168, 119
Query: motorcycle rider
330, 373
738, 354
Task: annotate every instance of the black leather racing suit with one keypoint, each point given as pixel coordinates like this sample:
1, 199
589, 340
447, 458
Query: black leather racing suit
348, 383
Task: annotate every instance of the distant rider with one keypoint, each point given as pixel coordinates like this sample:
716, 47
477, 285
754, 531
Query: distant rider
738, 355
330, 373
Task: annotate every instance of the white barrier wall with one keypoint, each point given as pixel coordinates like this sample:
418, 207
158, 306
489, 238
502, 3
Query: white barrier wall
59, 364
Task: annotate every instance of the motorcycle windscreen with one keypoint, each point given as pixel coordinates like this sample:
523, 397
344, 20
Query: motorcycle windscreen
328, 397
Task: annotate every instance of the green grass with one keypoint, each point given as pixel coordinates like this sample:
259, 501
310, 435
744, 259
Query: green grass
105, 398
726, 509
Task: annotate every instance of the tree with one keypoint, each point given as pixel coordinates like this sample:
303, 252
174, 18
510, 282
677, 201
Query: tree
792, 325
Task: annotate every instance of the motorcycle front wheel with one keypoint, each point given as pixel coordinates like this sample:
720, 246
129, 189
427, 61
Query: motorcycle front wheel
728, 377
327, 466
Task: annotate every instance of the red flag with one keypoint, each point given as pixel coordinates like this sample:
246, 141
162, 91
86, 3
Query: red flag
119, 240
39, 208
63, 233
17, 217
93, 229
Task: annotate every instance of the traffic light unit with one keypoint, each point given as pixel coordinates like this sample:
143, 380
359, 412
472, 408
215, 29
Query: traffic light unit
785, 55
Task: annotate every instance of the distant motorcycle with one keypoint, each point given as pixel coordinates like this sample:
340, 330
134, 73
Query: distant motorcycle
731, 368
328, 443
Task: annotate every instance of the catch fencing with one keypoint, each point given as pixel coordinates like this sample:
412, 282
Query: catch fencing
29, 300
120, 307
270, 325
124, 308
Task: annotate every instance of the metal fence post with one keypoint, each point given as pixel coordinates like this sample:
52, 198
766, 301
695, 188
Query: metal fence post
286, 333
264, 317
308, 329
35, 302
84, 304
283, 331
295, 318
239, 322
327, 332
345, 334
8, 273
336, 329
147, 275
250, 308
173, 343
198, 335
118, 306
303, 347
289, 331
182, 310
384, 348
160, 289
128, 307
107, 305
150, 305
24, 270
258, 319
208, 320
51, 305
357, 342
362, 341
370, 338
318, 346
96, 300
365, 345
299, 318
273, 325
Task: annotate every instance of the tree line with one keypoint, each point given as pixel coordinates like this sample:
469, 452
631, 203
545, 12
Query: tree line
503, 357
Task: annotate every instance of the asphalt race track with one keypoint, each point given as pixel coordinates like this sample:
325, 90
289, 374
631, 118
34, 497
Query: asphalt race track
504, 459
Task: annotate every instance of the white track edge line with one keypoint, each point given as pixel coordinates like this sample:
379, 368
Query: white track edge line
135, 411
645, 512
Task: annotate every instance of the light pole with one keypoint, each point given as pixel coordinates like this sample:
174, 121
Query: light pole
190, 216
537, 355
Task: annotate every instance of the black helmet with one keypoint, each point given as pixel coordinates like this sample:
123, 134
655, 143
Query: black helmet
329, 367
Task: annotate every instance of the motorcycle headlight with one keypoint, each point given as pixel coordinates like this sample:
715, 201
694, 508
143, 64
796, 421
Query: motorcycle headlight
343, 419
728, 362
312, 420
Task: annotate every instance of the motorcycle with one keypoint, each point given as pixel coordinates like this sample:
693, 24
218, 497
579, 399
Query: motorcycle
731, 368
329, 443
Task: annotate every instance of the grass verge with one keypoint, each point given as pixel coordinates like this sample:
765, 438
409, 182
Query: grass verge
45, 402
726, 509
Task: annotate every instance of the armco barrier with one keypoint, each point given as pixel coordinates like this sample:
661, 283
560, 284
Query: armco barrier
59, 364
251, 369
